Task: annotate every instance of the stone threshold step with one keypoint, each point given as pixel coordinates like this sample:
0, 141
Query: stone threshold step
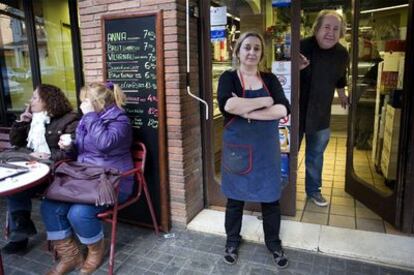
379, 248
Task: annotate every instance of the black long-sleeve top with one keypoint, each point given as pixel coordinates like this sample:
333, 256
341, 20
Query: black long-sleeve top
229, 83
326, 71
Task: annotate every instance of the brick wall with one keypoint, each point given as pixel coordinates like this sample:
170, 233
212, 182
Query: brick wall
185, 173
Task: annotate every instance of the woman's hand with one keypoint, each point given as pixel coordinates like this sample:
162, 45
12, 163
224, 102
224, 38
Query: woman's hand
26, 116
87, 106
65, 142
40, 155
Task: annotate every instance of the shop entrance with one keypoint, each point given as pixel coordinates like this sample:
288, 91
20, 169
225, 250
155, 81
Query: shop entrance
364, 173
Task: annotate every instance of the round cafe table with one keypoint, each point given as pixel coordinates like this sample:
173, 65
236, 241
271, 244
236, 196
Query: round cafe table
37, 174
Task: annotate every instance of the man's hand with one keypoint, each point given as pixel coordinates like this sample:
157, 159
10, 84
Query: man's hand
303, 62
343, 98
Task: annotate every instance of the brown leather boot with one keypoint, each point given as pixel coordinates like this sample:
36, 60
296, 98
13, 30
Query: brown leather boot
69, 256
95, 256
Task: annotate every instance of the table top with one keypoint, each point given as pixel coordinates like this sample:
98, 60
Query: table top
36, 175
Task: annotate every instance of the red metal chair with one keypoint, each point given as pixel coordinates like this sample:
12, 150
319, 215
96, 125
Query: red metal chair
111, 216
1, 265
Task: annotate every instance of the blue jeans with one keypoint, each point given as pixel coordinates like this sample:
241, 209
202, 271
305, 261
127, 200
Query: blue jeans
61, 218
315, 147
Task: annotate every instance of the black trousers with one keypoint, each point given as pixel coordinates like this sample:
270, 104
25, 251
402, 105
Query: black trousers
271, 223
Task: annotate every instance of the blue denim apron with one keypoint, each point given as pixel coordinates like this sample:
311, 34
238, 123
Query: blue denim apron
251, 157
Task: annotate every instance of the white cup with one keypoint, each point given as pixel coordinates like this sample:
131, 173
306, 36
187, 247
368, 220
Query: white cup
65, 139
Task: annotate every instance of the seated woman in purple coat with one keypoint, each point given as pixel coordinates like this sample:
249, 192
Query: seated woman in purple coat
103, 137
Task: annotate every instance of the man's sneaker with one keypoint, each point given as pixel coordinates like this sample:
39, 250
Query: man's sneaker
318, 199
280, 259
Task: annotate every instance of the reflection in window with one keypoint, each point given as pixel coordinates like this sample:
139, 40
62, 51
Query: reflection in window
14, 57
54, 42
381, 55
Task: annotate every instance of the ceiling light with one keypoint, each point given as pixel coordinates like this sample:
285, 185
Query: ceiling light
385, 9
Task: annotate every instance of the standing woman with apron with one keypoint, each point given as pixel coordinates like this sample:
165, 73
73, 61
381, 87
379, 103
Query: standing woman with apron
252, 103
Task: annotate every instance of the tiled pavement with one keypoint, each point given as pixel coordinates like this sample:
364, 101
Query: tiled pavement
139, 251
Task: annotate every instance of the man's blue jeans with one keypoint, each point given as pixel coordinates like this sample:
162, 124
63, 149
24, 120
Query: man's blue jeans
315, 147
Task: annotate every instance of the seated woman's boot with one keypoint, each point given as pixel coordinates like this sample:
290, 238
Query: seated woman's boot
24, 226
95, 256
19, 235
69, 256
14, 247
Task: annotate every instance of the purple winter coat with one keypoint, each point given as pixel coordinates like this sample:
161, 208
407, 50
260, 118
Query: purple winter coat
105, 139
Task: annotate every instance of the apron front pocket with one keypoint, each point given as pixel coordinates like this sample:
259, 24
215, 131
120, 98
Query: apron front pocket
237, 158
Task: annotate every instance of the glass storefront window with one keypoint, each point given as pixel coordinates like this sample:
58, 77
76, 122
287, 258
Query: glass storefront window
54, 42
14, 57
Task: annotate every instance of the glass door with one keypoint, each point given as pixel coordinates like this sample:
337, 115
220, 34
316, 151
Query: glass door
379, 34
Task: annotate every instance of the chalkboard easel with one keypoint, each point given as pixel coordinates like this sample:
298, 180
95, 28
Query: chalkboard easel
133, 58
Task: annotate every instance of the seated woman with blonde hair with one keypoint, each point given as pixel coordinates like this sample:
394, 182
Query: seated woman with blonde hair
103, 137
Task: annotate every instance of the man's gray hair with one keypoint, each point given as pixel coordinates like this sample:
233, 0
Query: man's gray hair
318, 21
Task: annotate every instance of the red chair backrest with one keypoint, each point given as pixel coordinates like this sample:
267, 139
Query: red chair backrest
139, 154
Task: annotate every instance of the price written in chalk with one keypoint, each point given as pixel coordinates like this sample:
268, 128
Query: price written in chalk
131, 62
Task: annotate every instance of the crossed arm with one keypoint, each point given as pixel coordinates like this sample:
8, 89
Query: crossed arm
260, 108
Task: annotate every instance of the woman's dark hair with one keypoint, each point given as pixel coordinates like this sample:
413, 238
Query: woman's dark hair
56, 103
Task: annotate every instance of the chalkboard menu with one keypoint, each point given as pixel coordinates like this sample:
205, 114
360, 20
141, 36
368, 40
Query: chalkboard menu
133, 59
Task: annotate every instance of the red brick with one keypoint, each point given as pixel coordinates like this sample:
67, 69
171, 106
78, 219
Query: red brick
172, 69
94, 37
92, 24
91, 31
170, 14
124, 5
92, 66
92, 9
88, 46
84, 3
170, 22
155, 2
86, 18
92, 52
100, 2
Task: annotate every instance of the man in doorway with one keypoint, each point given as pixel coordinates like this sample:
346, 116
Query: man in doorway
323, 65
